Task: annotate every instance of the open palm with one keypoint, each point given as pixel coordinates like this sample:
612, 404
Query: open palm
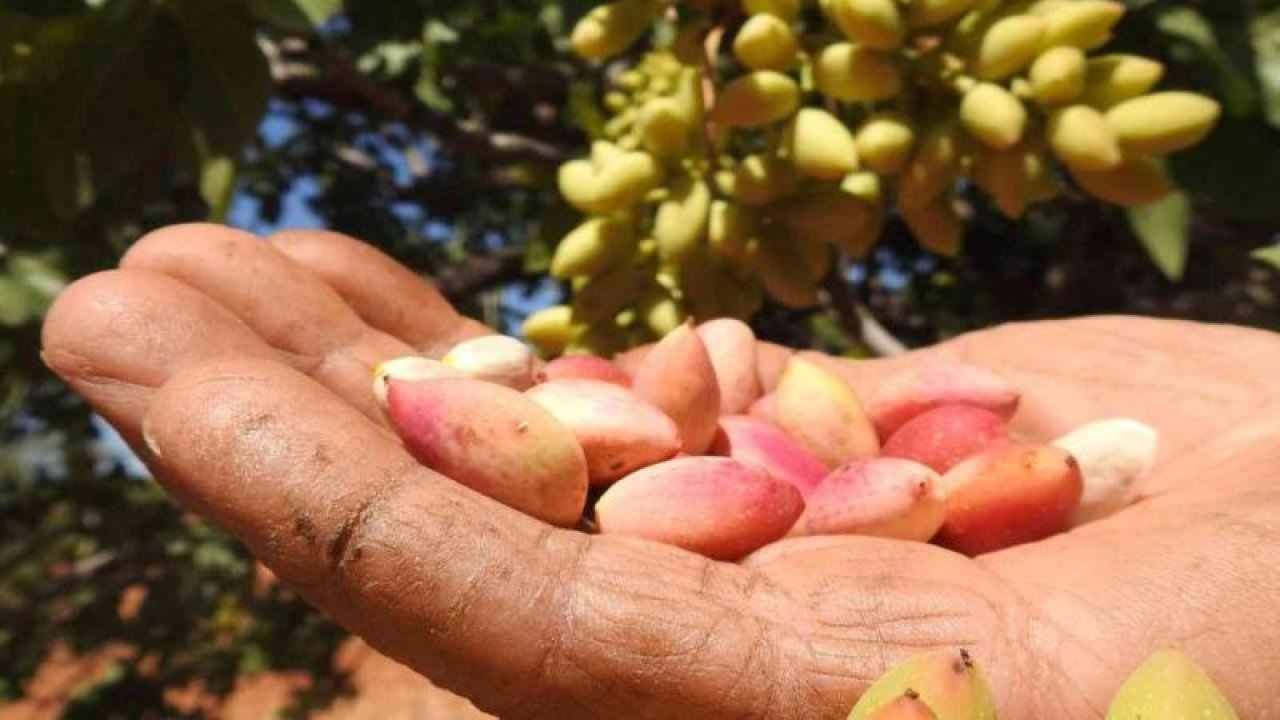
240, 369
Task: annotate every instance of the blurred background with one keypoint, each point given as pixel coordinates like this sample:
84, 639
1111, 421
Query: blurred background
433, 129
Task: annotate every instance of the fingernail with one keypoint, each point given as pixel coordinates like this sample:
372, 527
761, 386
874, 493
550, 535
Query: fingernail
150, 440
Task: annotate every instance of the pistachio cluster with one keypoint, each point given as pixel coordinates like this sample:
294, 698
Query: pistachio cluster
745, 153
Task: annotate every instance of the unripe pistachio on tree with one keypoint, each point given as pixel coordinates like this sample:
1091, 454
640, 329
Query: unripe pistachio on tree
550, 329
609, 29
926, 13
681, 221
874, 24
1112, 79
819, 145
1163, 123
766, 42
755, 99
1085, 24
1057, 77
1082, 139
852, 73
593, 247
993, 115
785, 9
1135, 181
885, 142
1008, 47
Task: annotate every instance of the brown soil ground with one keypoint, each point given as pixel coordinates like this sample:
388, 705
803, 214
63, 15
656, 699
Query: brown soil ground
384, 690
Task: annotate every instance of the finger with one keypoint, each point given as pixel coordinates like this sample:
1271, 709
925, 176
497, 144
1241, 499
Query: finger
875, 602
526, 620
776, 552
1190, 569
116, 336
1170, 374
281, 301
384, 293
771, 360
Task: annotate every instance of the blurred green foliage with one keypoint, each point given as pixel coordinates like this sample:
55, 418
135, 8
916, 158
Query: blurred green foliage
433, 128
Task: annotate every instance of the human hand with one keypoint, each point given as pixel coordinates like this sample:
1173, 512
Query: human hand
240, 372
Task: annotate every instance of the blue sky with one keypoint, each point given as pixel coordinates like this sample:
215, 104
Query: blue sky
245, 213
295, 213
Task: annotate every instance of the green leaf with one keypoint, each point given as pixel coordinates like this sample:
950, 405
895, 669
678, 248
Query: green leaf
218, 185
45, 8
437, 39
430, 93
437, 33
285, 15
320, 11
1214, 171
253, 660
1163, 227
1269, 255
40, 275
1234, 84
40, 185
15, 304
37, 51
1264, 32
828, 335
47, 62
119, 103
230, 79
122, 28
27, 287
390, 58
584, 110
1185, 23
135, 112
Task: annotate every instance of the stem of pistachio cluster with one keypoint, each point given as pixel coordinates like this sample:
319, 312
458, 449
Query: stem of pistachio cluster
710, 46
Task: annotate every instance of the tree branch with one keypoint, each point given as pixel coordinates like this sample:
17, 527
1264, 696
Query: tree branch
550, 80
453, 194
481, 272
857, 319
334, 79
876, 336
